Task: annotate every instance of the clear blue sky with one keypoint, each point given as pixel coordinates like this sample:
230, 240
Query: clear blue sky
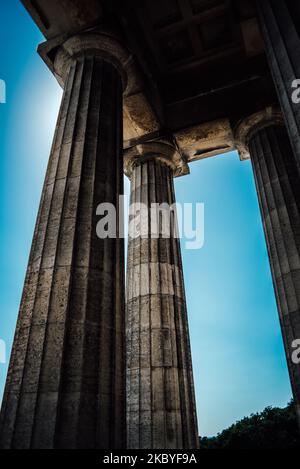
239, 363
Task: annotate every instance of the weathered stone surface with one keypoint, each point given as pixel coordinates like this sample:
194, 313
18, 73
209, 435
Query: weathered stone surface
277, 181
249, 126
161, 409
205, 140
139, 118
65, 387
163, 150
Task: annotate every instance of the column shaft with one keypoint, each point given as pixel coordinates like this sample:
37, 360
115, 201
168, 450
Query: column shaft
280, 20
160, 391
277, 181
65, 386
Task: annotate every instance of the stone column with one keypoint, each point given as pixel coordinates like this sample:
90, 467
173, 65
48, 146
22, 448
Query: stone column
66, 386
280, 23
278, 187
161, 410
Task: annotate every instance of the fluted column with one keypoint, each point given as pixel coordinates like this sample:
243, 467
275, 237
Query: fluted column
161, 409
278, 187
65, 386
280, 23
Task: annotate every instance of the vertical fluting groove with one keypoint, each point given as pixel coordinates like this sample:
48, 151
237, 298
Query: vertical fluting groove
131, 432
151, 199
141, 325
160, 425
277, 181
120, 339
156, 312
120, 374
72, 383
102, 357
137, 332
162, 407
129, 316
163, 308
150, 282
183, 417
107, 337
171, 261
88, 316
140, 308
176, 246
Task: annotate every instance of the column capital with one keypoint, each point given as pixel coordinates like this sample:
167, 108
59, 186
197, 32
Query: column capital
247, 127
161, 150
59, 53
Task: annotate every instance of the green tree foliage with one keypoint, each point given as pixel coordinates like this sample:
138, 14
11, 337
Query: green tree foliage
273, 428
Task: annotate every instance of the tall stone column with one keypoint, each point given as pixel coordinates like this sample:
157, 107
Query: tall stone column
278, 186
65, 387
280, 24
161, 410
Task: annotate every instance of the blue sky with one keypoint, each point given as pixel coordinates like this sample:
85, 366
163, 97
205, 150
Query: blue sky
238, 357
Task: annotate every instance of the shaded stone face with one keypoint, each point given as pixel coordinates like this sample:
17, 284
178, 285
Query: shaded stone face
280, 22
65, 386
161, 409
